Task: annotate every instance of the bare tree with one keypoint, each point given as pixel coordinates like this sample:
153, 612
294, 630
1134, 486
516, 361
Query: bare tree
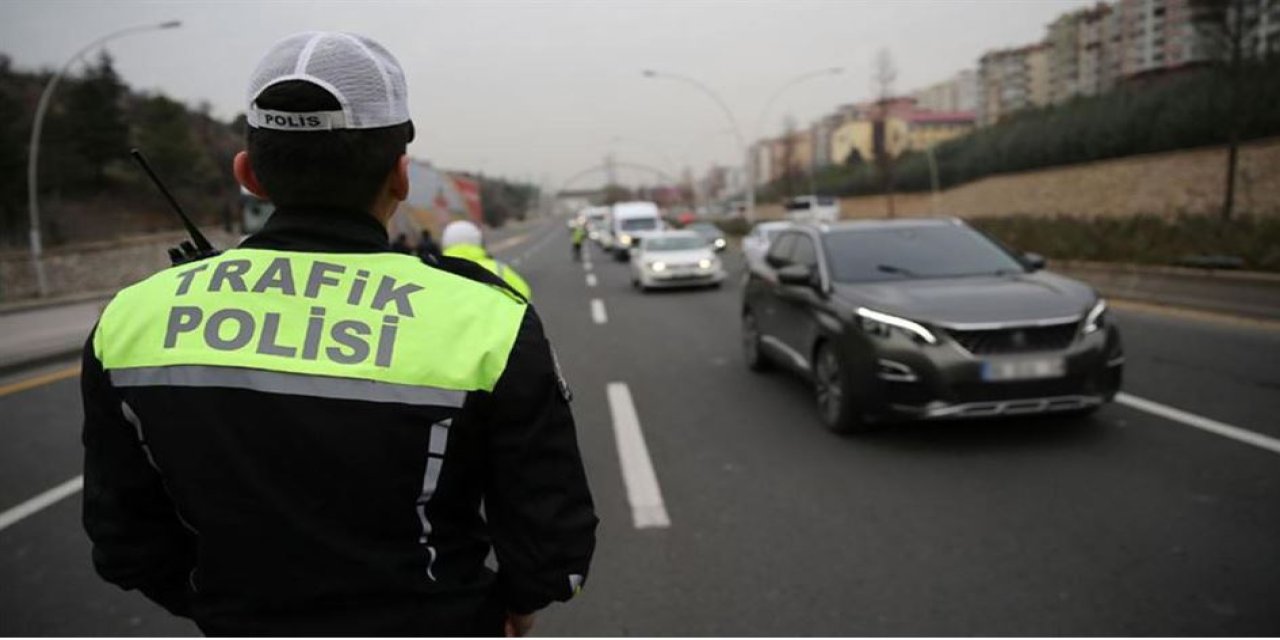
884, 73
1225, 27
788, 156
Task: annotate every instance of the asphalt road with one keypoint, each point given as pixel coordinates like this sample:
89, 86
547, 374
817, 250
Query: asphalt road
1125, 523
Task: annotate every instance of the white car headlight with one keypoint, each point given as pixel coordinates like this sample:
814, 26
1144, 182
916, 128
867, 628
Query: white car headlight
704, 264
624, 240
720, 242
657, 266
880, 324
1096, 318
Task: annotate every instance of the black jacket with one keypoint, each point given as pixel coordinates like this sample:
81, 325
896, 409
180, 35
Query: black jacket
260, 513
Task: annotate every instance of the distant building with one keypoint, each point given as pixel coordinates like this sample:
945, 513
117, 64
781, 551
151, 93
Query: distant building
928, 128
1082, 49
821, 131
957, 93
762, 162
906, 127
1011, 80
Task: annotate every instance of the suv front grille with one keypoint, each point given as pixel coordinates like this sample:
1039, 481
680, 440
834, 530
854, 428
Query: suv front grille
1015, 340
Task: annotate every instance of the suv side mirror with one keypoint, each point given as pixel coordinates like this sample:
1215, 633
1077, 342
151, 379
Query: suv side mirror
1034, 261
797, 274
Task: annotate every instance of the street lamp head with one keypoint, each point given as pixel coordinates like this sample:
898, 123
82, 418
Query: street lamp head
172, 24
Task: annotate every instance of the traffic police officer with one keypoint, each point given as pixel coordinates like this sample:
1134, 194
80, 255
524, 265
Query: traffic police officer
296, 437
462, 239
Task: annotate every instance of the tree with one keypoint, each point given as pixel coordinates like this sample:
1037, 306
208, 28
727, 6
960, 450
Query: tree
884, 74
163, 131
95, 117
787, 156
14, 129
1226, 27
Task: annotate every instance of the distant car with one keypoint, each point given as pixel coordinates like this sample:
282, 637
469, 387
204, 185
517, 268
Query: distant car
756, 243
711, 233
628, 221
594, 219
675, 259
812, 209
924, 320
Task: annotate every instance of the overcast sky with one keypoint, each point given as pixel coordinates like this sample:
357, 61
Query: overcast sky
543, 90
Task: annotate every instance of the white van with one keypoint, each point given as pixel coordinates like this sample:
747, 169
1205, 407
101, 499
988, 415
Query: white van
630, 220
812, 209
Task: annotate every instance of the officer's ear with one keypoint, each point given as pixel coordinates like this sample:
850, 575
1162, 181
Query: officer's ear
243, 169
399, 179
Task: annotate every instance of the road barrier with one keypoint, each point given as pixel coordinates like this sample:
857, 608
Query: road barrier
1242, 293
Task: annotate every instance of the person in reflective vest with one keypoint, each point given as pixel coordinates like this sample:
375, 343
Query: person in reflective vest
311, 434
463, 239
577, 235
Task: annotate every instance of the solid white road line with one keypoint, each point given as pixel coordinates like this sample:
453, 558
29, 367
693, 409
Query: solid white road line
48, 498
647, 508
597, 311
591, 279
1200, 422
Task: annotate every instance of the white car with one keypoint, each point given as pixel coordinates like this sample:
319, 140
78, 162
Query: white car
675, 259
756, 243
812, 209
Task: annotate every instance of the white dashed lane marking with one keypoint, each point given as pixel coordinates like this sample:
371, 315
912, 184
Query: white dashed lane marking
647, 508
598, 314
591, 279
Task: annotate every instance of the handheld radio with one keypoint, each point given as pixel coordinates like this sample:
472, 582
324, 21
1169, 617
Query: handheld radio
198, 248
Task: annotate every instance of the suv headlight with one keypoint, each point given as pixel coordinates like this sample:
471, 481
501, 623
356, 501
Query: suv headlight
657, 266
1096, 318
624, 240
882, 324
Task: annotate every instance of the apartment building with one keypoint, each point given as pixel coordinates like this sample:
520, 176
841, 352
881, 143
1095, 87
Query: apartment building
957, 93
1011, 80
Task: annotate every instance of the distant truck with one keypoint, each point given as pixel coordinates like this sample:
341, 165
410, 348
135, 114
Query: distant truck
812, 209
627, 222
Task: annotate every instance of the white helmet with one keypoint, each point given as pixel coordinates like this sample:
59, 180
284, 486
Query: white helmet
460, 232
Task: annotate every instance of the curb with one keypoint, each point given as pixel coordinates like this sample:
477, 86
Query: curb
35, 304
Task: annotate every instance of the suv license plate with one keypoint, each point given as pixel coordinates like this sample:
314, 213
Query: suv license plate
1023, 369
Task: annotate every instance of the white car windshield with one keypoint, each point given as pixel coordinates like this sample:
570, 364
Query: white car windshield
674, 243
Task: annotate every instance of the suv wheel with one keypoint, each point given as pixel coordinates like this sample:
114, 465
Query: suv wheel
836, 405
756, 360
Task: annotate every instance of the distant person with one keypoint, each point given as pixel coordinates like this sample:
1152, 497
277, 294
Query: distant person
310, 435
578, 234
463, 239
427, 249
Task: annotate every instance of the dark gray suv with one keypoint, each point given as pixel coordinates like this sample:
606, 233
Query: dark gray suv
926, 319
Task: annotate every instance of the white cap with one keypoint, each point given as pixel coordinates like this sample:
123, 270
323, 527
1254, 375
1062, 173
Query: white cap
460, 232
362, 76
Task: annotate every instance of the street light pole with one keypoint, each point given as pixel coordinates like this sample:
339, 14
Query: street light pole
33, 199
733, 123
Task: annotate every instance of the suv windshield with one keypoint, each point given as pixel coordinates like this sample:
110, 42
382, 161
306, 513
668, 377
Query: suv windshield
870, 255
674, 243
638, 224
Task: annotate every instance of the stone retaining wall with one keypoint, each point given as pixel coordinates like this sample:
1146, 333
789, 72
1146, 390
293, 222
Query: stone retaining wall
93, 267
